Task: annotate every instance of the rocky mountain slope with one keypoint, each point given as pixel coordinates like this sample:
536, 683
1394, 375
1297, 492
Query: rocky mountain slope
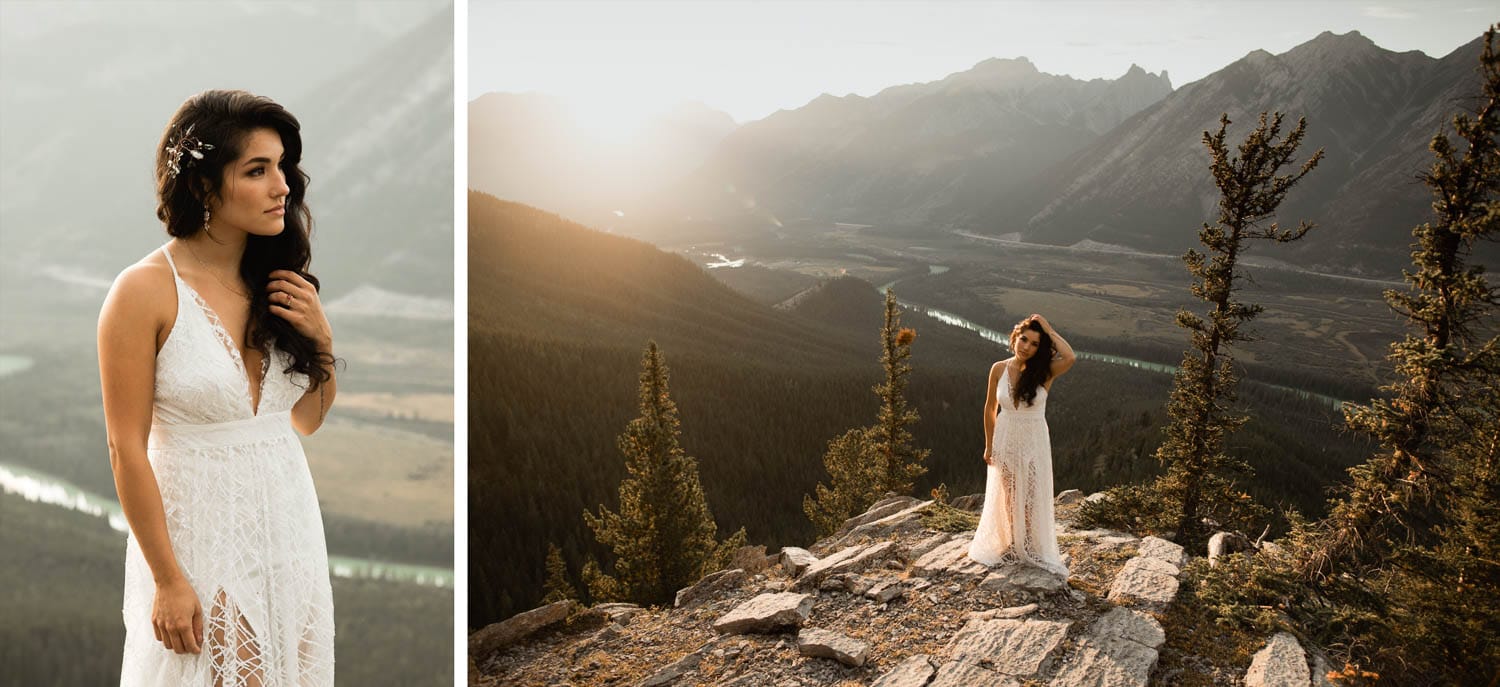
1373, 111
897, 156
892, 600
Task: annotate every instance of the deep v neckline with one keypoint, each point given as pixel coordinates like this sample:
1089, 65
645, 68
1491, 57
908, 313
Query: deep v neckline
1010, 384
253, 396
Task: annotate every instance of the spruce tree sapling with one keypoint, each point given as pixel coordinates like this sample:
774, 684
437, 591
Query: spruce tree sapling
901, 461
866, 463
851, 466
558, 587
663, 536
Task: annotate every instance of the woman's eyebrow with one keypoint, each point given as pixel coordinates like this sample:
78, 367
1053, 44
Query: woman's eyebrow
261, 159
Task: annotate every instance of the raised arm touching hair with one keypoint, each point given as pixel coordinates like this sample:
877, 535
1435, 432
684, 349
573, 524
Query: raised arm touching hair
296, 300
132, 324
1063, 356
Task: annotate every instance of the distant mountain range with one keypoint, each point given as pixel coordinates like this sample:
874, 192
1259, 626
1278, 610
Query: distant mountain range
1373, 111
910, 151
373, 94
1005, 149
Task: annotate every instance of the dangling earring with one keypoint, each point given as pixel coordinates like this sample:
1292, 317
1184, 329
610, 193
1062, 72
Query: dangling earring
205, 218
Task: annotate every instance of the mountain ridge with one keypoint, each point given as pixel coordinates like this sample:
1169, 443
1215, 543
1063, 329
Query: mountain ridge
1146, 184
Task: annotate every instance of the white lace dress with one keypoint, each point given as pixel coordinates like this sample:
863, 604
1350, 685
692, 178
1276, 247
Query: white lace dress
242, 517
1016, 523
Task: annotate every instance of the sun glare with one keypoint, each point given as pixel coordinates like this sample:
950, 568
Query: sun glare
611, 119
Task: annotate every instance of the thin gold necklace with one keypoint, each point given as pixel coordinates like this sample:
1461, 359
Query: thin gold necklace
213, 274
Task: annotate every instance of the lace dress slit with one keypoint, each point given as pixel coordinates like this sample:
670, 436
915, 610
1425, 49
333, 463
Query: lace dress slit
241, 513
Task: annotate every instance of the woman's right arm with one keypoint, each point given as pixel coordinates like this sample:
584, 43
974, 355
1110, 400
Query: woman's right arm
129, 324
991, 405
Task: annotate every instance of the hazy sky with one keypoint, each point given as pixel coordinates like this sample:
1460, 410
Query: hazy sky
624, 60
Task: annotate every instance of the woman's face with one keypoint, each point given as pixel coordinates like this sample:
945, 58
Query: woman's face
253, 195
1026, 343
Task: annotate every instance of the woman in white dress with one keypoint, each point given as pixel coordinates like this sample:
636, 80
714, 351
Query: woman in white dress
1016, 523
213, 353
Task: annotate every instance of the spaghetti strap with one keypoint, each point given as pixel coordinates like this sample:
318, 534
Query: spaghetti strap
168, 253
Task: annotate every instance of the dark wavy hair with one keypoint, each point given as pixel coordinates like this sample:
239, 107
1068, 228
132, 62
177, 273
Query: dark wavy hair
224, 120
1038, 367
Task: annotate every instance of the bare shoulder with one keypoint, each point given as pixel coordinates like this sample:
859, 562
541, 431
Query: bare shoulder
144, 290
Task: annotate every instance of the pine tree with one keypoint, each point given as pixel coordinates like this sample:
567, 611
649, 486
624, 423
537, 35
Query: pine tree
1413, 544
1431, 410
663, 537
601, 587
558, 587
901, 461
865, 463
851, 466
1199, 474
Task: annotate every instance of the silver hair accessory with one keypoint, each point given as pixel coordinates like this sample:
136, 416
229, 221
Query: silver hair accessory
185, 144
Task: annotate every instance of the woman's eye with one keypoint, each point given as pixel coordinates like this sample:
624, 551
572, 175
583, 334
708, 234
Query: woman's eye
257, 171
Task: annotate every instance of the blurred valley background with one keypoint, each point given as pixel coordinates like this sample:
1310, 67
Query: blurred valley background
87, 89
752, 251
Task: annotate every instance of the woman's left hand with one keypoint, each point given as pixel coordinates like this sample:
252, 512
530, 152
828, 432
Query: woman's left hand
295, 300
1041, 321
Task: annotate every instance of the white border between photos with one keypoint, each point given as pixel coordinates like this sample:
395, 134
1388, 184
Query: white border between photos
460, 343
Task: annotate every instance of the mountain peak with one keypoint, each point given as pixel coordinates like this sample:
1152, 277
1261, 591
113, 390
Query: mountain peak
1002, 67
992, 62
1335, 46
1352, 37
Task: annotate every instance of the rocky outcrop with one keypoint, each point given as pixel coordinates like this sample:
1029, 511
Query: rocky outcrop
1163, 550
710, 584
915, 671
499, 635
618, 613
960, 674
1016, 648
851, 559
951, 556
1071, 497
1145, 581
1023, 578
795, 560
893, 516
812, 641
1120, 649
767, 613
904, 609
676, 669
1282, 663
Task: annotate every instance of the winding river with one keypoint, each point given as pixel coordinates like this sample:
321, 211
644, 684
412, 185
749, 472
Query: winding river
1004, 340
43, 489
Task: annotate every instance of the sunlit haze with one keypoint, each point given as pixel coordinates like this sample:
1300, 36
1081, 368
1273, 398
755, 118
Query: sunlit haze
621, 62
